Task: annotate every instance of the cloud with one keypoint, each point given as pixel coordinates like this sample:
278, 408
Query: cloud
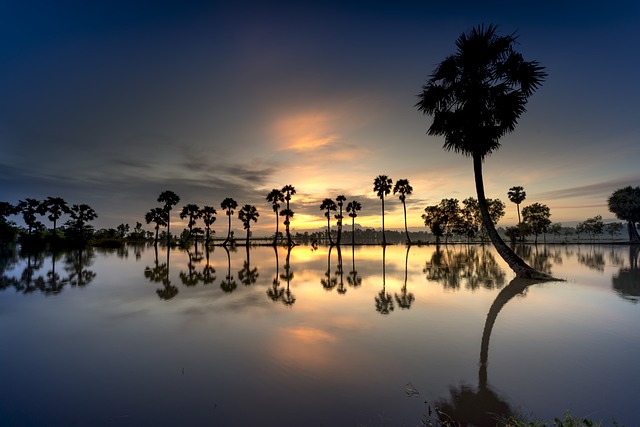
600, 189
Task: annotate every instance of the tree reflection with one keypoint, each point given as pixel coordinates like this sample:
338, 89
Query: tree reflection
340, 274
248, 275
540, 260
191, 277
593, 258
405, 299
208, 272
160, 274
472, 265
482, 407
328, 282
288, 298
384, 301
76, 265
229, 284
627, 281
275, 293
353, 279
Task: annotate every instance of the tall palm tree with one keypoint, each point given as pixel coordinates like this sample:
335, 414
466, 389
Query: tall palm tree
329, 205
170, 199
192, 212
247, 214
228, 205
402, 186
159, 217
353, 207
55, 207
382, 186
208, 214
517, 195
276, 197
288, 191
340, 199
475, 97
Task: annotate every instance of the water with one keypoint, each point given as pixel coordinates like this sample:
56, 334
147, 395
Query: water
125, 338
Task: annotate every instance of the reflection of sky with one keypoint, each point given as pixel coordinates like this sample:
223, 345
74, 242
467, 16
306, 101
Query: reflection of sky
329, 358
111, 103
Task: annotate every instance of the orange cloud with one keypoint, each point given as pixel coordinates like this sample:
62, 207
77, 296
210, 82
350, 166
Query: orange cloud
306, 131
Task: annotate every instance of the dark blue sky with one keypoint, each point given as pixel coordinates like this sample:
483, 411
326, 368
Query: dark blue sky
110, 103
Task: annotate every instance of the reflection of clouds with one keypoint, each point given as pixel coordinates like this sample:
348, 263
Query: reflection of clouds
304, 346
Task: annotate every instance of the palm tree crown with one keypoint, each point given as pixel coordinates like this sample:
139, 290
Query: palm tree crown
276, 197
477, 95
517, 195
403, 187
228, 205
328, 205
247, 214
382, 186
170, 199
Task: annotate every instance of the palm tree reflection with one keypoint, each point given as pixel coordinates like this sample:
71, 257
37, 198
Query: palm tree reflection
328, 282
228, 285
288, 298
248, 275
76, 263
275, 293
160, 274
340, 274
384, 301
482, 407
405, 299
353, 279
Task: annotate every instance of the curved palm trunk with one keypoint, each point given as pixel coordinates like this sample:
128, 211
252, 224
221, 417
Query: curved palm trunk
516, 287
521, 268
275, 237
406, 230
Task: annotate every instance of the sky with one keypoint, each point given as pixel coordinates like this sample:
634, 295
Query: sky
109, 103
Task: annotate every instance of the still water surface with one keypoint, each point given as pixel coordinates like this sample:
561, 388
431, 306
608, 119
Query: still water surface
316, 337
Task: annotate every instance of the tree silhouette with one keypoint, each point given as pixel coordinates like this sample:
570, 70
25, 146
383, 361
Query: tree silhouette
247, 214
79, 216
208, 217
328, 205
402, 186
340, 199
517, 195
55, 207
248, 275
288, 191
382, 186
276, 197
192, 212
328, 282
353, 207
228, 205
170, 199
475, 97
159, 217
625, 204
536, 217
29, 208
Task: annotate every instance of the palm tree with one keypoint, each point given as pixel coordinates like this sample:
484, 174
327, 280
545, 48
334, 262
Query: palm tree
402, 186
275, 197
247, 214
29, 209
288, 191
55, 207
157, 216
228, 205
193, 213
340, 199
170, 199
517, 195
353, 207
80, 215
208, 215
329, 205
382, 186
475, 97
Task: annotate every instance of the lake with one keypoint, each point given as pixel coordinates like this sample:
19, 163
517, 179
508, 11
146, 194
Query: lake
316, 337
